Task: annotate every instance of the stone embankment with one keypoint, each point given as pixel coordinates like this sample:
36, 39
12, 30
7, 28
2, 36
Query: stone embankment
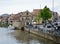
45, 35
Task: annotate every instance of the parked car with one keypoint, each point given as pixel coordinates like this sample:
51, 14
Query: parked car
49, 27
57, 23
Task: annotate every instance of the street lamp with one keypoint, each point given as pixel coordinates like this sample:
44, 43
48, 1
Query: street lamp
53, 15
53, 9
53, 5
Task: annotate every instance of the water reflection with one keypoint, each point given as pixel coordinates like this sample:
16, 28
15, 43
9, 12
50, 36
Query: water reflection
28, 38
20, 37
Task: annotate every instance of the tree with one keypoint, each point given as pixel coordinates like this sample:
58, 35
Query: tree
37, 18
45, 13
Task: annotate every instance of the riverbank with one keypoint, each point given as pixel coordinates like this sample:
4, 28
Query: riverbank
4, 24
45, 35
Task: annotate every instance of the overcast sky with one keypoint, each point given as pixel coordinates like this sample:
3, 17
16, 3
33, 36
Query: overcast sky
15, 6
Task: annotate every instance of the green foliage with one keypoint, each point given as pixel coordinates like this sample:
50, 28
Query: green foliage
36, 18
45, 13
3, 25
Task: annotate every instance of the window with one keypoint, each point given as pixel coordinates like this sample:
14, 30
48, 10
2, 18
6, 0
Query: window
49, 26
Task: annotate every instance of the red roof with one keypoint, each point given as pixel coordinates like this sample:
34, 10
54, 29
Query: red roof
36, 11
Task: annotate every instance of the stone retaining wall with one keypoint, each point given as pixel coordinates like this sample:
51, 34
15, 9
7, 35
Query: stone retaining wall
47, 36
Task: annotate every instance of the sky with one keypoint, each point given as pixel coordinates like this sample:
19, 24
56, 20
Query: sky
15, 6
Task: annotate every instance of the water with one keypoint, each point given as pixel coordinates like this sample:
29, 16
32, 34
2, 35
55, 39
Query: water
20, 37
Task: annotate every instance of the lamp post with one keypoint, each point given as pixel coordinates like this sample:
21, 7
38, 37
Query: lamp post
53, 5
53, 9
54, 18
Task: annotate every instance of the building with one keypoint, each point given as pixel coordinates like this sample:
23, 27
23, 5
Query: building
5, 18
58, 19
54, 14
0, 19
13, 17
26, 17
35, 11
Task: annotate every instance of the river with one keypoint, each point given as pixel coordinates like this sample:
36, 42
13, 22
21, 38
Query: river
20, 37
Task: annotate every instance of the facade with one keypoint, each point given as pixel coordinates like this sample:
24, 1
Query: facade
12, 18
4, 20
35, 11
55, 16
58, 19
26, 17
